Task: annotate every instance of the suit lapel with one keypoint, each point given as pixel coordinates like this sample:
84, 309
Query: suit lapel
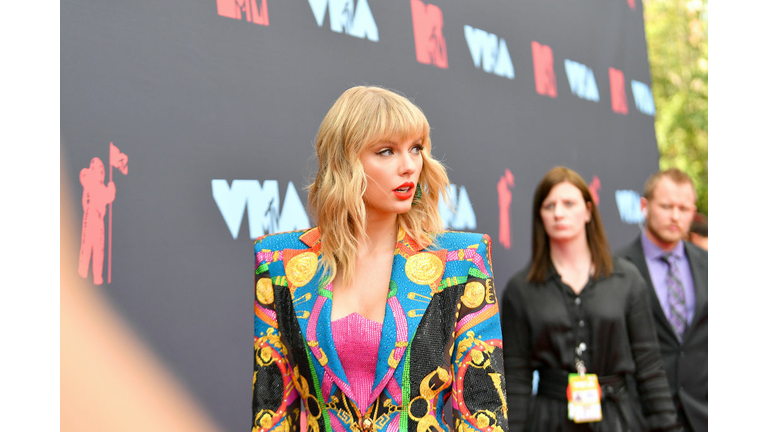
699, 273
637, 256
312, 305
415, 277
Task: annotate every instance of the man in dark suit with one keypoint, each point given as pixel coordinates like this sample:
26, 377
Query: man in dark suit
677, 271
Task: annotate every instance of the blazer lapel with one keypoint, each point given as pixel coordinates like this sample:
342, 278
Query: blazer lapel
699, 273
416, 276
637, 257
312, 305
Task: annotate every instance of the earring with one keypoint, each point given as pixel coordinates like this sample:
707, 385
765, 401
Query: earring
417, 196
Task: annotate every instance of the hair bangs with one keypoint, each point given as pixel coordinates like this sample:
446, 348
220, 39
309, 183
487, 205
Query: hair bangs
395, 120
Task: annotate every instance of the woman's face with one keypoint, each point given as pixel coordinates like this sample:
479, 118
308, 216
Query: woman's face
392, 170
564, 213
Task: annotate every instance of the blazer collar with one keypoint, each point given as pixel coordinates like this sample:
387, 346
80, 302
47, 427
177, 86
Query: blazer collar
699, 273
636, 255
415, 277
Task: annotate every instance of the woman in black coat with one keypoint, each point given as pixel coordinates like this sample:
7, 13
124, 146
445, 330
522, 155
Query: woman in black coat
576, 310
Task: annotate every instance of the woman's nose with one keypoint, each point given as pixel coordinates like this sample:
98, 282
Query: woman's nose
407, 164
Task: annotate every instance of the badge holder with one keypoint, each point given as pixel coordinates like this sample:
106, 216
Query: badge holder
583, 394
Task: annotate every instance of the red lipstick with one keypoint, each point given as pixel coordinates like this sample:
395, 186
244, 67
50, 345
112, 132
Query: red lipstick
404, 191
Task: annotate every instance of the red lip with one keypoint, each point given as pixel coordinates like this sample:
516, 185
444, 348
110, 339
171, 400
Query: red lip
405, 192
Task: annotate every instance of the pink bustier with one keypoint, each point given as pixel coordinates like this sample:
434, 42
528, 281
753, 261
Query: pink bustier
357, 343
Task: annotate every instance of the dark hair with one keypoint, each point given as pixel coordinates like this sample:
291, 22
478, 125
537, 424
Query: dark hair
596, 239
674, 174
699, 225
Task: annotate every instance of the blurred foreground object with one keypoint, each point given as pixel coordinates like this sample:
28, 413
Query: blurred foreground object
110, 381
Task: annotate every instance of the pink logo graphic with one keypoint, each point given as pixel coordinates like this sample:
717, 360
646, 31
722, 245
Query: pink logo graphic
594, 187
96, 197
503, 187
248, 9
428, 34
631, 4
618, 94
543, 70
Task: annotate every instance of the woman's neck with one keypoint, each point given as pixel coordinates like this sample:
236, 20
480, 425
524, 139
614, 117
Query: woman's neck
380, 233
570, 254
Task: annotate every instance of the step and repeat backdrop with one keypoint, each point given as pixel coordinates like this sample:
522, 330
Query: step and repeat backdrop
187, 131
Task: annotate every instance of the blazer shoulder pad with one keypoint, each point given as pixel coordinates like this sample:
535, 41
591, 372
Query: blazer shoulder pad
453, 240
280, 241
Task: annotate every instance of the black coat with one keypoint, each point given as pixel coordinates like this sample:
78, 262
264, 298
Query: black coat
685, 362
543, 323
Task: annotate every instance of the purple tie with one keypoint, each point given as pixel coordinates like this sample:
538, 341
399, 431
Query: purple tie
676, 296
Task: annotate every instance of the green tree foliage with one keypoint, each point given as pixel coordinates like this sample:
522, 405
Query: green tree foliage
677, 36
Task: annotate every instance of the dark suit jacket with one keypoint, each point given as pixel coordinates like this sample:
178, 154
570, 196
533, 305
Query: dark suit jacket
685, 362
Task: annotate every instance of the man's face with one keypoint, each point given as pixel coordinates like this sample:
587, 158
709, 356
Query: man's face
670, 212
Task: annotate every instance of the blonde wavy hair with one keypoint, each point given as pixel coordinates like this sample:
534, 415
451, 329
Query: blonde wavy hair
363, 117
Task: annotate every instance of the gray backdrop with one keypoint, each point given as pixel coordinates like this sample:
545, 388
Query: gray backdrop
217, 116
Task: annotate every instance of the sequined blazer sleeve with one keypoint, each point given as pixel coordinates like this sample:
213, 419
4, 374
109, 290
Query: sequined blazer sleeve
479, 389
276, 404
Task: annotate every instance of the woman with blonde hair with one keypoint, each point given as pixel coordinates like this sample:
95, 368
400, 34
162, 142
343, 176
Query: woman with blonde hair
375, 317
582, 319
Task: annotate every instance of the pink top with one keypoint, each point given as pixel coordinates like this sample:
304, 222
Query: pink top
357, 343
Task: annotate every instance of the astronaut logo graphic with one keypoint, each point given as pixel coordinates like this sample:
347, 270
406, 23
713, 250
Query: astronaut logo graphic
97, 197
504, 189
428, 34
244, 9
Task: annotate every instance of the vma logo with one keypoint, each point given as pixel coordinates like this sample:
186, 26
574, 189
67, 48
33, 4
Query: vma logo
618, 94
428, 34
464, 216
504, 189
347, 18
628, 202
582, 81
263, 204
643, 98
490, 51
97, 199
247, 10
543, 70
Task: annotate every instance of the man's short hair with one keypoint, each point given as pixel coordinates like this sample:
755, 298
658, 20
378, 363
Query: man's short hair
674, 174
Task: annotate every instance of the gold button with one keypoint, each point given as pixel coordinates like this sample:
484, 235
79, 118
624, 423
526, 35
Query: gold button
367, 424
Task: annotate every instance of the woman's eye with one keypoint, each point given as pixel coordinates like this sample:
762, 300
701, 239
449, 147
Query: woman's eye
417, 149
384, 152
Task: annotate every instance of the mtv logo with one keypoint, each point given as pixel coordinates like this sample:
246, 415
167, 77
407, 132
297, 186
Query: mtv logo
489, 51
628, 202
582, 81
244, 9
347, 18
543, 70
459, 215
643, 98
262, 202
428, 34
618, 94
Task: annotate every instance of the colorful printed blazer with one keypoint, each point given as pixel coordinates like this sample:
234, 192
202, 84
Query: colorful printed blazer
441, 337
